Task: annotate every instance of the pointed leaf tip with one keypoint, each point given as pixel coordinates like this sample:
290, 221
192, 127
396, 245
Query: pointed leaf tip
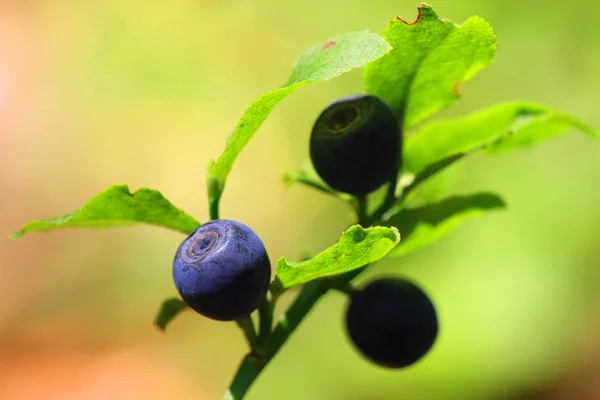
169, 309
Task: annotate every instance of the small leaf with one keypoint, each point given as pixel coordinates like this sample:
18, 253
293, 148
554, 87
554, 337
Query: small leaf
307, 176
357, 247
501, 127
169, 309
303, 176
319, 63
116, 206
427, 224
430, 58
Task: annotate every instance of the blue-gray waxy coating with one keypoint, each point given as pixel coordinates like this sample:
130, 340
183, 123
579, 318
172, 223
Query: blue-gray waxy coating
222, 270
356, 144
392, 322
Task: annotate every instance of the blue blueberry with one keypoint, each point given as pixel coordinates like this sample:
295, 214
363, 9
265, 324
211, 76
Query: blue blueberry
392, 322
356, 144
222, 270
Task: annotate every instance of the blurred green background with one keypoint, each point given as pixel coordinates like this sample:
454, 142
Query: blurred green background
145, 93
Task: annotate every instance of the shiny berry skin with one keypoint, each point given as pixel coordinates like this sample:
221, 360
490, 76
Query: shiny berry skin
356, 144
222, 270
392, 322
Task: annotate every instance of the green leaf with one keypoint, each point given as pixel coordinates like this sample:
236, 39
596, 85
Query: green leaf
169, 309
430, 58
319, 63
338, 55
116, 206
357, 247
501, 127
307, 176
302, 176
427, 224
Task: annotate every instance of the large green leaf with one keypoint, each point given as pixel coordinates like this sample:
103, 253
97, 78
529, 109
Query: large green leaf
319, 63
424, 225
430, 58
501, 127
356, 248
169, 309
116, 206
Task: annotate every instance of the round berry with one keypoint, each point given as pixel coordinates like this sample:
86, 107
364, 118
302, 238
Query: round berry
222, 270
356, 145
392, 322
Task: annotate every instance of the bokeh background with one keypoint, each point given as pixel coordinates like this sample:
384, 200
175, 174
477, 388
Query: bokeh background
145, 93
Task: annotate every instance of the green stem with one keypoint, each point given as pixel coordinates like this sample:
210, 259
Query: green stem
247, 373
214, 189
265, 324
315, 185
213, 207
310, 294
247, 327
308, 297
344, 287
252, 365
388, 202
346, 198
361, 209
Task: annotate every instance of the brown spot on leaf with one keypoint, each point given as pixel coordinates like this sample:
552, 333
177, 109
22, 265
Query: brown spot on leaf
329, 44
416, 19
456, 91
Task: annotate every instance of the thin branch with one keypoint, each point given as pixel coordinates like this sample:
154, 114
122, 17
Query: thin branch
389, 201
309, 296
247, 327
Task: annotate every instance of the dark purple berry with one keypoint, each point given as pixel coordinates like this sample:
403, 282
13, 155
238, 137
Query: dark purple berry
392, 322
356, 144
222, 270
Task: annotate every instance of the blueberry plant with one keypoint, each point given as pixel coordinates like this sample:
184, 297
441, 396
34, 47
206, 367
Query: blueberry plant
369, 151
